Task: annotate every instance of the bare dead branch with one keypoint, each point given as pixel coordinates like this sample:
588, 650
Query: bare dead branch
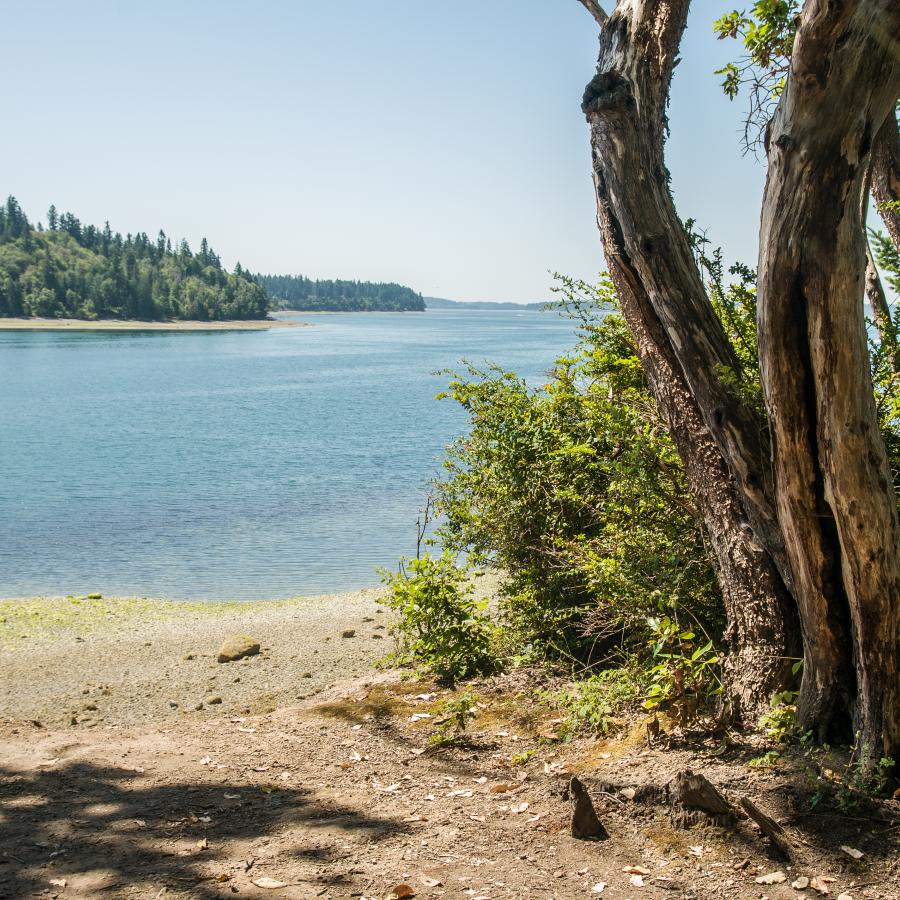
595, 10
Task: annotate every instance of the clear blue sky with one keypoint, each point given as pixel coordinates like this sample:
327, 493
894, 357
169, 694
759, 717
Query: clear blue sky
436, 144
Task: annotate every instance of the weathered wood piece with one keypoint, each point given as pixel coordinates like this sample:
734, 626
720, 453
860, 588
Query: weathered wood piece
586, 825
770, 828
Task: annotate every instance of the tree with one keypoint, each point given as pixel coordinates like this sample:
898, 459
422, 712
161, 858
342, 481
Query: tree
840, 85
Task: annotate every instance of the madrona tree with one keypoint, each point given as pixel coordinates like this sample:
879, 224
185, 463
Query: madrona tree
798, 501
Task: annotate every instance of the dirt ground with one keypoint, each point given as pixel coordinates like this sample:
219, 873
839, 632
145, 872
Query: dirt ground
342, 794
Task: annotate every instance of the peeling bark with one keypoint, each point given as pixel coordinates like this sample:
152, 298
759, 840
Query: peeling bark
682, 346
834, 493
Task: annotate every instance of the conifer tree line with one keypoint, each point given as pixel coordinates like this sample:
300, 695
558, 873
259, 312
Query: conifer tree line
306, 294
70, 269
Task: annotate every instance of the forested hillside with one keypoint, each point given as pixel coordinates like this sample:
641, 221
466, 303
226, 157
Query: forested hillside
81, 271
298, 292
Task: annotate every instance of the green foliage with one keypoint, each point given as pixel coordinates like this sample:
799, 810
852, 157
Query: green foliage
84, 272
593, 704
443, 630
456, 713
766, 761
684, 677
779, 723
298, 292
767, 37
574, 490
521, 758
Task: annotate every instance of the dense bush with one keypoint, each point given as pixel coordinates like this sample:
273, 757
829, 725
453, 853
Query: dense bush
575, 492
442, 628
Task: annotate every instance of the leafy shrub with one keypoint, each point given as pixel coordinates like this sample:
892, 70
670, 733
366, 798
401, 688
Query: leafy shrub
456, 713
593, 704
575, 492
684, 676
442, 628
779, 723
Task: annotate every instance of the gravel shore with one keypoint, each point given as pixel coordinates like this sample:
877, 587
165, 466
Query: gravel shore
89, 662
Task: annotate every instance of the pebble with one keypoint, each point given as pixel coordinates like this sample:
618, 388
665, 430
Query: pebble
212, 700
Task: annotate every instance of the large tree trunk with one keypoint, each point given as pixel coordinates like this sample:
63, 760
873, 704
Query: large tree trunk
835, 499
681, 343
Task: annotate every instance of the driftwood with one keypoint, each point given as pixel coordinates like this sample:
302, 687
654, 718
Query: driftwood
586, 826
770, 828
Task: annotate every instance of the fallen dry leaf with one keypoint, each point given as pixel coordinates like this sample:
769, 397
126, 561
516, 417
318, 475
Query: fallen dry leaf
772, 878
818, 884
599, 887
628, 793
635, 870
430, 882
519, 808
800, 884
696, 851
401, 891
852, 852
269, 883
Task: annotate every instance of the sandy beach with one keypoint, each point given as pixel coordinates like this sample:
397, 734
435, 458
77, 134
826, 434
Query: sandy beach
36, 324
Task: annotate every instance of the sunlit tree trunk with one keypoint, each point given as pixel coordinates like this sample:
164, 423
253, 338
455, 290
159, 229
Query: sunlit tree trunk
681, 344
835, 498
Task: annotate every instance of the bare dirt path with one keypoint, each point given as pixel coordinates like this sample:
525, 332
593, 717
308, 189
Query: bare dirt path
342, 795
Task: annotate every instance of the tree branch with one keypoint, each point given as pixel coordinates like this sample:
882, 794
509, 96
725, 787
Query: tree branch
594, 8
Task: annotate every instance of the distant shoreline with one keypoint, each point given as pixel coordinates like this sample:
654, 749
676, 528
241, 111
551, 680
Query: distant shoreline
37, 324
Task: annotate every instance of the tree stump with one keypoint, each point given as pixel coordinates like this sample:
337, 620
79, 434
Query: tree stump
696, 801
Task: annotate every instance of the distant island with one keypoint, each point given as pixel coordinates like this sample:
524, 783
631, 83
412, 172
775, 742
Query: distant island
78, 271
441, 303
308, 295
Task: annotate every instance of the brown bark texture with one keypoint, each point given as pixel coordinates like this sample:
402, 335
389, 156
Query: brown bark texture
682, 346
886, 171
835, 498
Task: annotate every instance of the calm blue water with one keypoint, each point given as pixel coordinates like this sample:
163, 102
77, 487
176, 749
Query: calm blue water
234, 464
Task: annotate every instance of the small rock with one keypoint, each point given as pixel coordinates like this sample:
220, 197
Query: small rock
800, 884
772, 878
189, 656
173, 704
348, 633
306, 675
212, 700
199, 706
90, 707
237, 646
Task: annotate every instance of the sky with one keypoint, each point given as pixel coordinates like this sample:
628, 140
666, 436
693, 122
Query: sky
440, 145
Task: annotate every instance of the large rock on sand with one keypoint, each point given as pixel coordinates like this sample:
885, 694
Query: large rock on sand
236, 646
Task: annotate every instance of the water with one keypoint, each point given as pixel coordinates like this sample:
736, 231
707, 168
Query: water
234, 464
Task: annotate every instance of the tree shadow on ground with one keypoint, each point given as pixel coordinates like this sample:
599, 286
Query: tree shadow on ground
103, 827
